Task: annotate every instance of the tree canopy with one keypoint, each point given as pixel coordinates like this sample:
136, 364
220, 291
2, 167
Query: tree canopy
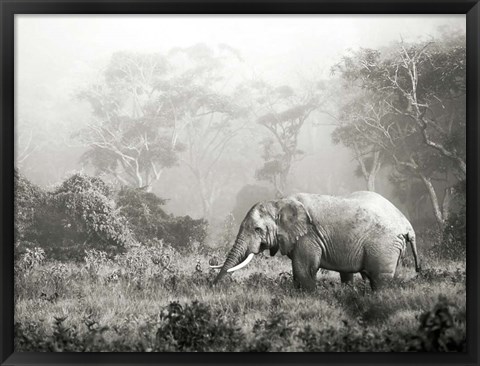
406, 107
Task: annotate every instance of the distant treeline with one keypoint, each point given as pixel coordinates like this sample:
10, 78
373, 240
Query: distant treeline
84, 213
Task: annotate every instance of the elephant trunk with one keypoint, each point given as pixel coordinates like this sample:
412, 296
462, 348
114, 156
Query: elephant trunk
237, 255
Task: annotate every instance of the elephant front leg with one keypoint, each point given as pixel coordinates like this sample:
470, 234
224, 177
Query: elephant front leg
305, 265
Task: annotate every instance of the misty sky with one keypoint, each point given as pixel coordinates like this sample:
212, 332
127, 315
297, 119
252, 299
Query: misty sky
58, 55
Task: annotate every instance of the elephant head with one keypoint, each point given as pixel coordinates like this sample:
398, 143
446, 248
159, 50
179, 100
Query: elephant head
258, 232
271, 225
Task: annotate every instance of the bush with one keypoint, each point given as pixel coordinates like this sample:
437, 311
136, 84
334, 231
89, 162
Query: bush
29, 201
149, 222
195, 327
273, 334
79, 215
30, 338
438, 332
140, 264
31, 259
352, 338
183, 231
144, 213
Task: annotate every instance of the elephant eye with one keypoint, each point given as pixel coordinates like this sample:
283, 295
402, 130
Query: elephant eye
259, 230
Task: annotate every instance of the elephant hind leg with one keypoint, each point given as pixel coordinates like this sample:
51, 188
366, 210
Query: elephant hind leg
346, 277
381, 266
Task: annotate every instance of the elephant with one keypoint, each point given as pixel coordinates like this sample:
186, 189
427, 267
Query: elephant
361, 232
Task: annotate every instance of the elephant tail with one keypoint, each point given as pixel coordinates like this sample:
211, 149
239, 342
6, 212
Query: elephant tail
413, 243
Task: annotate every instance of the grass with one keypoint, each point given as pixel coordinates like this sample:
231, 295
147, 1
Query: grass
154, 299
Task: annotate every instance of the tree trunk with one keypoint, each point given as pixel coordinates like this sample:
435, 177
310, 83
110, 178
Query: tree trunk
206, 204
371, 182
447, 200
371, 175
434, 199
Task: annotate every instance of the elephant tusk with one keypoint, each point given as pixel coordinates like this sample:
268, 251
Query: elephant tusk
216, 267
243, 264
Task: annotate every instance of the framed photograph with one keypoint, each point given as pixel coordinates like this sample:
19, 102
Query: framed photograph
292, 182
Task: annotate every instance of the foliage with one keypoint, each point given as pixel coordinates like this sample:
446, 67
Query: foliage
209, 116
94, 260
150, 223
196, 327
152, 111
31, 259
361, 126
147, 292
144, 213
183, 232
81, 214
272, 334
129, 137
438, 332
142, 264
405, 106
29, 202
282, 111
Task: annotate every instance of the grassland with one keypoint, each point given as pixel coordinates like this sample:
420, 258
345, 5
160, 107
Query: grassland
156, 299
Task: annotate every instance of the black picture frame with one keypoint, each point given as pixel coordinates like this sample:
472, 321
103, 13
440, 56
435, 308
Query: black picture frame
8, 10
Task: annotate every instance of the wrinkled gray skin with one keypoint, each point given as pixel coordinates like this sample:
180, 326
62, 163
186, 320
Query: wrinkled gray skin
362, 232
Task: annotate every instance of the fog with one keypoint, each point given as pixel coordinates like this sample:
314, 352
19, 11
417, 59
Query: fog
57, 57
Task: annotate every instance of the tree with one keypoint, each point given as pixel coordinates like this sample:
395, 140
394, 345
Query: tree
28, 139
421, 91
362, 127
132, 135
157, 110
211, 116
282, 111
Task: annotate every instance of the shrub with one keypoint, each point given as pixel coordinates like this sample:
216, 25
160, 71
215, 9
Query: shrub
141, 263
273, 334
352, 338
94, 260
30, 337
32, 258
149, 222
144, 213
29, 201
438, 332
80, 214
183, 232
195, 327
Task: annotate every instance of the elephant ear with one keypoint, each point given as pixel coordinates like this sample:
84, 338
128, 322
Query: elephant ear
293, 219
